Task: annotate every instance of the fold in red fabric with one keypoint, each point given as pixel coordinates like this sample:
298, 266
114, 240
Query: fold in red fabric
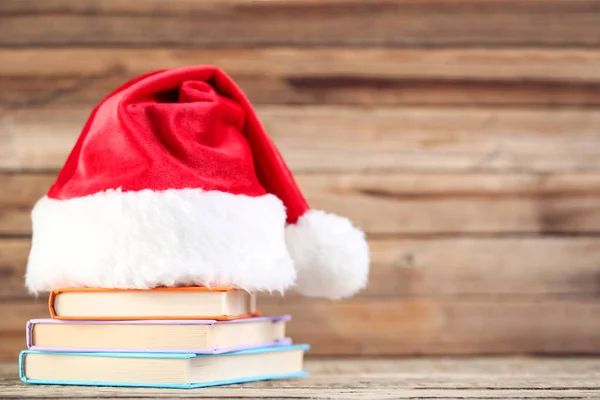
175, 129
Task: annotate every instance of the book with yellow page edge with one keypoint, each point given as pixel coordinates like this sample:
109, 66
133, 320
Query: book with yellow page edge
180, 303
162, 370
199, 336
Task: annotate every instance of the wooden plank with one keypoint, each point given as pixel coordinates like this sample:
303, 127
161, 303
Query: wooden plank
354, 90
406, 204
15, 315
476, 267
349, 388
286, 75
373, 379
301, 22
459, 203
13, 261
492, 373
395, 326
11, 344
478, 64
439, 268
324, 138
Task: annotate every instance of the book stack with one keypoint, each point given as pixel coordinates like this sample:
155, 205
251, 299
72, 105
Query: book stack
167, 337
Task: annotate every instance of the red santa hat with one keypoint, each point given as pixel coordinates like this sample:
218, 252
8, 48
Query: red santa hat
174, 181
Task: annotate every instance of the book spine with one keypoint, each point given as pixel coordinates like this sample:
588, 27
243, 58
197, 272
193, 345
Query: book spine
22, 366
28, 333
51, 300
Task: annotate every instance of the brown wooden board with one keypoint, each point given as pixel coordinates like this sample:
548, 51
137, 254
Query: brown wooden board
562, 64
13, 261
372, 378
557, 267
429, 326
325, 138
419, 326
15, 314
404, 204
35, 77
301, 22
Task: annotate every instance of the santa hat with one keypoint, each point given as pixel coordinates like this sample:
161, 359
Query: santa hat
174, 181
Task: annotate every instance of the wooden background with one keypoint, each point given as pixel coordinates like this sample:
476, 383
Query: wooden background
462, 135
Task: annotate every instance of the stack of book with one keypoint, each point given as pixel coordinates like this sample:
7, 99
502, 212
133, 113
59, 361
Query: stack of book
171, 337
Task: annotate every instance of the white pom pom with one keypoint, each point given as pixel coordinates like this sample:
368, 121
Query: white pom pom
331, 255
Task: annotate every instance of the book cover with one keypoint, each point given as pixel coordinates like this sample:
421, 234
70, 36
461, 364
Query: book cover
178, 290
196, 350
250, 374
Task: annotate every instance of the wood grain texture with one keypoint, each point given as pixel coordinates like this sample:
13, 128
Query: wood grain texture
324, 138
418, 326
503, 64
301, 22
461, 135
13, 262
498, 378
15, 315
406, 204
35, 77
429, 204
395, 326
554, 267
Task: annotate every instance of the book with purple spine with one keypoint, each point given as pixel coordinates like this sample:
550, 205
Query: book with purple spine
157, 336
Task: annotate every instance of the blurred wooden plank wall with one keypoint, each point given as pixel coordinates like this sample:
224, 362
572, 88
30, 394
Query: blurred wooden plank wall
462, 135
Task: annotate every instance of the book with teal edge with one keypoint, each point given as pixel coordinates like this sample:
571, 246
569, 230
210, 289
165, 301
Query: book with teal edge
162, 370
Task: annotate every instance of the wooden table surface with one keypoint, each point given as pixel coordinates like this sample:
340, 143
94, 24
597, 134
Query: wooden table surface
437, 378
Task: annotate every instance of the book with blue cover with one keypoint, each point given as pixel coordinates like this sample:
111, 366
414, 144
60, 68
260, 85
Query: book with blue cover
166, 370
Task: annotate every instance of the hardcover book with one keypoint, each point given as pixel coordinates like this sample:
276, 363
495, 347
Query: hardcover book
168, 370
222, 303
174, 336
